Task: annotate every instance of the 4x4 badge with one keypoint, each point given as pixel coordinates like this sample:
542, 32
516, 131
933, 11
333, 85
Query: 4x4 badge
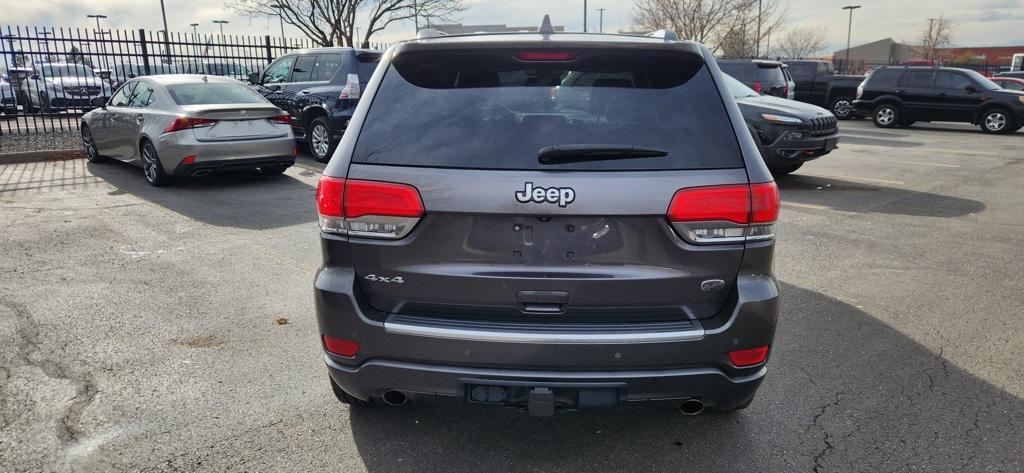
552, 195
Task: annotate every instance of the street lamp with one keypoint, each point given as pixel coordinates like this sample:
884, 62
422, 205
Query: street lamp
600, 21
280, 8
195, 37
849, 28
757, 49
221, 23
584, 16
99, 31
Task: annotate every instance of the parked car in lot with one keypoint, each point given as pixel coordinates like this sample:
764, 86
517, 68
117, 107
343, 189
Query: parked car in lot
120, 73
1008, 83
900, 96
187, 125
1017, 74
60, 86
8, 94
480, 244
765, 77
320, 88
788, 133
818, 84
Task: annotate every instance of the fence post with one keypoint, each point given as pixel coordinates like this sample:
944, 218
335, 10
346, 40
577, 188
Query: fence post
270, 52
145, 52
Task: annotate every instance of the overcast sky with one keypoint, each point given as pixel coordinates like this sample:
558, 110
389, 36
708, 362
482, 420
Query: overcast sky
977, 22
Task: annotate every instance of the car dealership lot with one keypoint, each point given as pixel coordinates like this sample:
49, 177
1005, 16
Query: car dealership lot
139, 330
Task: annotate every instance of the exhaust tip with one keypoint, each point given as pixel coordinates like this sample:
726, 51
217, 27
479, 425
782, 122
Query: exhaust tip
394, 398
201, 172
691, 407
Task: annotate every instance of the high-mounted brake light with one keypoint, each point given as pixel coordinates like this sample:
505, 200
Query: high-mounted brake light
185, 123
367, 208
757, 87
725, 214
545, 55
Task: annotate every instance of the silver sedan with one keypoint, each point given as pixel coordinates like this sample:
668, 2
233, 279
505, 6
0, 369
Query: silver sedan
189, 125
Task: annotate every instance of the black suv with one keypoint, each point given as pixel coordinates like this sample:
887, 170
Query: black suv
902, 95
509, 249
319, 88
765, 77
788, 132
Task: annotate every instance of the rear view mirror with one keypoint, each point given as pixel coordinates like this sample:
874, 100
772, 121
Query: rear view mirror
254, 78
34, 77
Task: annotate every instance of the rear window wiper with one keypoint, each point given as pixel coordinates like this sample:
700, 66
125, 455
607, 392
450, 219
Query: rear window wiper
562, 154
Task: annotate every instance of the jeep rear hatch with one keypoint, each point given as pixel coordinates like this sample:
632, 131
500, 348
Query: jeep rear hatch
485, 184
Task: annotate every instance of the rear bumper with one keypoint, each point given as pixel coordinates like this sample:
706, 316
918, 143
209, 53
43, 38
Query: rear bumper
805, 149
202, 168
661, 366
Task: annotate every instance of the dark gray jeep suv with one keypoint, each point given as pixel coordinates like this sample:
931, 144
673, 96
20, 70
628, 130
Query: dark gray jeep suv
484, 242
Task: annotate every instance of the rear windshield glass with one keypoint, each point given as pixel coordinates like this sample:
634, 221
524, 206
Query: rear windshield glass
212, 94
493, 111
750, 72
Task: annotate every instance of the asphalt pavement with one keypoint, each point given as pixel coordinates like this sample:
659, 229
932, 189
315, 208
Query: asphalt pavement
139, 330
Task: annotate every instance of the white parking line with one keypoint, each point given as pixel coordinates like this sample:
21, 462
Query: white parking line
904, 161
855, 178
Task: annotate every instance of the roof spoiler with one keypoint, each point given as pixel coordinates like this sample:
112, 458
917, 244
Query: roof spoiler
428, 33
667, 35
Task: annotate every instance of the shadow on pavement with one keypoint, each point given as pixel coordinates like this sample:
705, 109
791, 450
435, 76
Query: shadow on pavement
246, 200
849, 196
845, 392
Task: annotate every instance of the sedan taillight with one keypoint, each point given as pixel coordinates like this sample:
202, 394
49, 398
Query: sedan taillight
185, 123
285, 119
367, 208
725, 214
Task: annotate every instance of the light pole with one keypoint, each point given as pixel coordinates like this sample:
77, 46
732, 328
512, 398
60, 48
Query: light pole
584, 16
849, 28
221, 23
280, 16
757, 49
600, 21
103, 45
195, 37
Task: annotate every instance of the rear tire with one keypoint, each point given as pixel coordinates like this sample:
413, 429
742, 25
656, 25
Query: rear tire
347, 398
151, 167
89, 146
842, 108
783, 170
318, 137
44, 103
997, 121
886, 115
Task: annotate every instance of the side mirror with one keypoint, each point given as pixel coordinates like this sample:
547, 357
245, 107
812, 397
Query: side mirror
34, 77
99, 102
254, 78
971, 89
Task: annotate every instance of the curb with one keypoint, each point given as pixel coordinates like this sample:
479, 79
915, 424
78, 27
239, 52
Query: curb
38, 156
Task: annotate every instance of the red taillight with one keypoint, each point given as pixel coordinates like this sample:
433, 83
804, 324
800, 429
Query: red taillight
295, 151
282, 119
785, 90
367, 208
725, 214
545, 55
340, 347
185, 123
757, 87
191, 159
749, 356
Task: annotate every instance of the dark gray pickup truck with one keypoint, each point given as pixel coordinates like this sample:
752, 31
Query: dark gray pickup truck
818, 84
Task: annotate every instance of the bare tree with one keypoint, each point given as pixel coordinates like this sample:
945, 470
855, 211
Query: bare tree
729, 26
938, 35
333, 22
802, 41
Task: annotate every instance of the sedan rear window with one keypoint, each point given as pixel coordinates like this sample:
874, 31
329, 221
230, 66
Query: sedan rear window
213, 94
491, 110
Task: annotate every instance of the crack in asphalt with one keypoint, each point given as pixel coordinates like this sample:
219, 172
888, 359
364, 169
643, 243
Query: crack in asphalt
31, 353
828, 437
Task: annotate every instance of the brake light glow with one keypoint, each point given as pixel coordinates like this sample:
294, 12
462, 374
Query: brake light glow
757, 87
749, 356
190, 159
341, 347
545, 55
185, 123
725, 214
367, 208
285, 119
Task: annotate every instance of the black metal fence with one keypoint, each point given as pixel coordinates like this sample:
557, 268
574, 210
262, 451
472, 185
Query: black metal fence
50, 76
